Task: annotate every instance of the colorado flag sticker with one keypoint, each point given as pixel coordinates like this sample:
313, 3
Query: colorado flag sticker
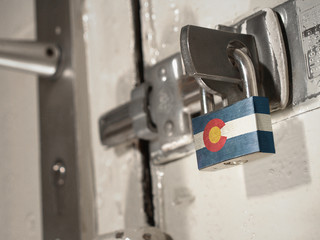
233, 133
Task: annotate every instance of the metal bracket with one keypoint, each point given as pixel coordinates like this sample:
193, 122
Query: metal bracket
159, 112
174, 139
205, 57
265, 27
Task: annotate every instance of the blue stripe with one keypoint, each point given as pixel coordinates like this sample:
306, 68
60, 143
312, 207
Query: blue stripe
259, 141
240, 109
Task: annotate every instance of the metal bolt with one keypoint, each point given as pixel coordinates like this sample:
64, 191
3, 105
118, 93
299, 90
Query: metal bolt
59, 172
162, 74
168, 127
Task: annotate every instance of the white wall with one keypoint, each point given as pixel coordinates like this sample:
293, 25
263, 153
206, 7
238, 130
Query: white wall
20, 200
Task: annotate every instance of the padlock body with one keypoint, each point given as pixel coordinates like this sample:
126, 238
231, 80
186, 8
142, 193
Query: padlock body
233, 135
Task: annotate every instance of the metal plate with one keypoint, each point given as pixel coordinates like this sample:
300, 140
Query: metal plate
205, 57
62, 125
299, 21
264, 26
205, 53
308, 27
174, 138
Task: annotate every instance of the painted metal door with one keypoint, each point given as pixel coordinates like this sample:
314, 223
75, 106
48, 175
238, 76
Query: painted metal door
272, 198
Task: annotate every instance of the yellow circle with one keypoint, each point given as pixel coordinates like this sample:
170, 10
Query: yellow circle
215, 134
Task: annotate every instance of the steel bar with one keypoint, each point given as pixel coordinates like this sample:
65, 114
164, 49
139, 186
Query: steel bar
206, 101
116, 126
28, 56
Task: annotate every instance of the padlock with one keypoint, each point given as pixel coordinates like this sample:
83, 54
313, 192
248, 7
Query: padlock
237, 133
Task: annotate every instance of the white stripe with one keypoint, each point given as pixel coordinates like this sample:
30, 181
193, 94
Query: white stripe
240, 126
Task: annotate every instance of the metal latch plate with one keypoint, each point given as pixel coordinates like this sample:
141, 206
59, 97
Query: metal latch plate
174, 139
273, 66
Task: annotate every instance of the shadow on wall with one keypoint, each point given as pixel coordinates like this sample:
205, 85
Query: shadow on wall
134, 215
288, 168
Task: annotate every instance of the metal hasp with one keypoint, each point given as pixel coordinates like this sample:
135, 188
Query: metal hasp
159, 111
266, 29
204, 55
66, 171
34, 57
160, 108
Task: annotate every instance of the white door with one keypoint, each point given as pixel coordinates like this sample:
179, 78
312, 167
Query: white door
272, 198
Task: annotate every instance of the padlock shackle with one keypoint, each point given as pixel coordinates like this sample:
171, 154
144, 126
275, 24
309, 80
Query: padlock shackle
240, 58
206, 101
247, 72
